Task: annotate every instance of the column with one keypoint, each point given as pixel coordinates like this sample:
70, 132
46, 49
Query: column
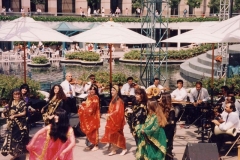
127, 4
25, 5
179, 44
165, 10
52, 6
181, 7
81, 3
0, 5
106, 5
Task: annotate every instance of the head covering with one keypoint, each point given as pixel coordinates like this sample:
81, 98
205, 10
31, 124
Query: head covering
116, 87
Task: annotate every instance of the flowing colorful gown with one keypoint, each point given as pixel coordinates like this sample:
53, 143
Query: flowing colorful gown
89, 116
45, 148
152, 143
115, 124
17, 132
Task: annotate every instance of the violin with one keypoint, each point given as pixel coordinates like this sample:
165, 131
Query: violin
75, 81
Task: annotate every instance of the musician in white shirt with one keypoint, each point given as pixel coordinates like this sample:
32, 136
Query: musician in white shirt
128, 92
179, 95
156, 84
198, 95
229, 120
69, 91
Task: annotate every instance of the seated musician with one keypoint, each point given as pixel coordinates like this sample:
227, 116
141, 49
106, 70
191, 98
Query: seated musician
156, 89
179, 96
198, 97
84, 89
228, 121
128, 92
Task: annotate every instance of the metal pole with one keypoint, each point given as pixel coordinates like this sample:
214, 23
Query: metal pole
25, 63
212, 78
110, 67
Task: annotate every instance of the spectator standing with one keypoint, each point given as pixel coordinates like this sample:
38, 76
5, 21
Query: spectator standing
3, 11
29, 12
39, 11
80, 10
185, 12
138, 12
89, 11
10, 10
22, 11
117, 12
126, 11
103, 11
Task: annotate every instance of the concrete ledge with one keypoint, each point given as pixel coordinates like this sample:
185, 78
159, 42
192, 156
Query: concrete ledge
156, 62
82, 62
39, 65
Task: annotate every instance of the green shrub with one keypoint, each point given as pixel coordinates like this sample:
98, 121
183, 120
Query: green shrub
40, 60
115, 19
11, 82
84, 56
171, 54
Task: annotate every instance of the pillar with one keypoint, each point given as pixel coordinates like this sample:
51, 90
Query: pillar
52, 6
165, 10
106, 5
0, 5
25, 5
81, 3
127, 4
181, 7
178, 43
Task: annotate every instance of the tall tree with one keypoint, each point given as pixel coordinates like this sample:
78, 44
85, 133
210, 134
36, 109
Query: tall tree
236, 6
174, 5
194, 3
214, 6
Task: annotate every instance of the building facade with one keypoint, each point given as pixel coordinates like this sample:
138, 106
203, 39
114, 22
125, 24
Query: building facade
73, 6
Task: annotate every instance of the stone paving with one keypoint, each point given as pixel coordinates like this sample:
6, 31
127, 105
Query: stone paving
182, 137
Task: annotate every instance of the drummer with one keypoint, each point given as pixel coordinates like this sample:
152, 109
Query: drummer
179, 95
159, 89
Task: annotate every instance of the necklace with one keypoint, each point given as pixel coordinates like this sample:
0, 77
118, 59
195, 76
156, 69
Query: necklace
15, 102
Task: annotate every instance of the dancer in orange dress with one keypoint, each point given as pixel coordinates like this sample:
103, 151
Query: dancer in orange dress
115, 124
89, 116
55, 141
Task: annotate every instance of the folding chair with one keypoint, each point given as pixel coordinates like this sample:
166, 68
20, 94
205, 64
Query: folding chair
238, 138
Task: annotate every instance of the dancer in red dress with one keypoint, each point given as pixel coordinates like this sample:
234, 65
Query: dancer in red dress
115, 124
55, 141
89, 116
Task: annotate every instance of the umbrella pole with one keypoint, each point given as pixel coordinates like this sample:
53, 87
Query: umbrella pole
25, 63
110, 68
212, 78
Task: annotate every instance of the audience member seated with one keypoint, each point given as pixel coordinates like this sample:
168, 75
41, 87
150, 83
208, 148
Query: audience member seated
128, 92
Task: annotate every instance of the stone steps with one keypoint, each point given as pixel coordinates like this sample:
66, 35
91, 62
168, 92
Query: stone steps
201, 66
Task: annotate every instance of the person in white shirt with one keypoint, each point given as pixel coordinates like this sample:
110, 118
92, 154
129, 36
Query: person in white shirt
118, 11
128, 92
229, 120
70, 93
9, 10
126, 11
3, 11
103, 11
160, 89
198, 95
89, 12
179, 95
80, 10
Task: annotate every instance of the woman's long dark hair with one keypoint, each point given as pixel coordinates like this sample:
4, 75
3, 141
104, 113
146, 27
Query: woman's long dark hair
143, 95
11, 98
167, 104
59, 130
95, 87
60, 94
25, 86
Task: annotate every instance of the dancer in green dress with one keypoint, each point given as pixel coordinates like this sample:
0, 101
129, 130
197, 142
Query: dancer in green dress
152, 139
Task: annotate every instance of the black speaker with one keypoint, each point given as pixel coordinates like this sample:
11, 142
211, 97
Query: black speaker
234, 59
201, 151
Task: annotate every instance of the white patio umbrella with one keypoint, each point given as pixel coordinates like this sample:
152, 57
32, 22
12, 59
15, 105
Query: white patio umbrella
112, 33
224, 31
25, 29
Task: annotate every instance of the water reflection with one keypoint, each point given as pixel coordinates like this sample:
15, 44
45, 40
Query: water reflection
48, 76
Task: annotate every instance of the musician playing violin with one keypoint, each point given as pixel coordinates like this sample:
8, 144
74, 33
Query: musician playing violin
156, 89
228, 121
128, 92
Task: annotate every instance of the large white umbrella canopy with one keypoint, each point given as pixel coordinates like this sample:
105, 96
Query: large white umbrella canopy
25, 29
28, 30
111, 32
224, 31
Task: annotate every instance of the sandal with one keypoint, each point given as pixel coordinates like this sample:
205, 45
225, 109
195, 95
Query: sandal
124, 151
88, 148
112, 153
95, 148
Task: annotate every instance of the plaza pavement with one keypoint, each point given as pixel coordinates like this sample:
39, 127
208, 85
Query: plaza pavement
182, 137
